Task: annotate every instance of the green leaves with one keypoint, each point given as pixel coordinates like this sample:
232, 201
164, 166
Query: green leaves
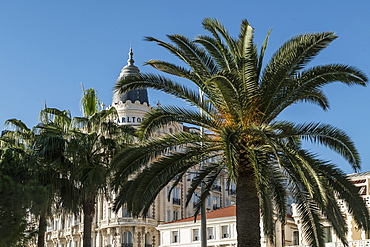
89, 102
242, 100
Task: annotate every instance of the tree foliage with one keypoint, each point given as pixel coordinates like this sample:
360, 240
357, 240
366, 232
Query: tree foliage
263, 155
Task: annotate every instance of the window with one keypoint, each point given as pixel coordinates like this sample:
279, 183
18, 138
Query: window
175, 193
56, 225
196, 235
175, 215
109, 213
327, 235
215, 202
175, 237
217, 186
225, 231
209, 201
168, 189
147, 239
127, 238
296, 238
70, 221
232, 189
168, 216
175, 196
210, 233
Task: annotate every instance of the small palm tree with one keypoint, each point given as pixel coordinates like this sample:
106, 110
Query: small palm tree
262, 154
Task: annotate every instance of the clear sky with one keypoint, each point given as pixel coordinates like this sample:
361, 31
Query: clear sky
48, 48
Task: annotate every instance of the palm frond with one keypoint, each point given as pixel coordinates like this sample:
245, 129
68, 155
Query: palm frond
89, 102
326, 135
289, 59
165, 115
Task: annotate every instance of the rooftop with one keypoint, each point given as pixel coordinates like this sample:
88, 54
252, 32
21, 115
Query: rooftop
218, 213
361, 174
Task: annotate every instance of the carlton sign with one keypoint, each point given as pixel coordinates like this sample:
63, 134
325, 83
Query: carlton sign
129, 120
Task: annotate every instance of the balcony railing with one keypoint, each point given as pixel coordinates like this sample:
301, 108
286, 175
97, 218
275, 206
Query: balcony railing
176, 201
216, 188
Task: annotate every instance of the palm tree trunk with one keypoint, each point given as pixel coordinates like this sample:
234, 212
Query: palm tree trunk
247, 209
88, 208
42, 230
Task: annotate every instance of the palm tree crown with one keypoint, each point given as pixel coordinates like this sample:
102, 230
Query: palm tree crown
262, 155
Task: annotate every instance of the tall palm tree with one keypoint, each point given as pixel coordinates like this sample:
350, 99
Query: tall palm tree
90, 143
262, 154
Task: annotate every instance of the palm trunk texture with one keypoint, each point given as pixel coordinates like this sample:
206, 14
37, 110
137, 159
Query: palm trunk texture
42, 230
88, 210
247, 209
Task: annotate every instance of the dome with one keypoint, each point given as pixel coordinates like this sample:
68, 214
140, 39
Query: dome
140, 95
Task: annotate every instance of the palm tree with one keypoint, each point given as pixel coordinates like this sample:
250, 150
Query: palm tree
43, 177
90, 142
17, 186
262, 154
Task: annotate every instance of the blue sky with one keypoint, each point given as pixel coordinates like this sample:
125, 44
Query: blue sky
48, 48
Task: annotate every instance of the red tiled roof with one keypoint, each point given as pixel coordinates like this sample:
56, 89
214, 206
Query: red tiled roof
218, 213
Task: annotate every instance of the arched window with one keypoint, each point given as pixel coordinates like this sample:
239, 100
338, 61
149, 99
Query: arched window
127, 239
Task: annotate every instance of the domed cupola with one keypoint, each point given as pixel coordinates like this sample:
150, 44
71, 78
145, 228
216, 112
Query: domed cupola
140, 95
133, 105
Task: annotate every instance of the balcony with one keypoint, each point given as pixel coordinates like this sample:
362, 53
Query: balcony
216, 188
176, 201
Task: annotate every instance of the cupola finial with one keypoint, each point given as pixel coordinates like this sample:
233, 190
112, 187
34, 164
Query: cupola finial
130, 60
